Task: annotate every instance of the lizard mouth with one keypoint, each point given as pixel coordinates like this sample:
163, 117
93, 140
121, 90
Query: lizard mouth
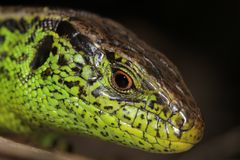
179, 147
184, 141
175, 144
177, 133
165, 137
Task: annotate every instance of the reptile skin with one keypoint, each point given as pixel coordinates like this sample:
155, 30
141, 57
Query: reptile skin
75, 72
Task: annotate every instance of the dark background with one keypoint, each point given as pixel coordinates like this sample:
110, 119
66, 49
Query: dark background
201, 38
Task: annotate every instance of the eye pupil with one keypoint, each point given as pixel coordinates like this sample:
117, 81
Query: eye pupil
121, 80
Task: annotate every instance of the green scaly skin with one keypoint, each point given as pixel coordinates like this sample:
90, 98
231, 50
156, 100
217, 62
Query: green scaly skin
56, 73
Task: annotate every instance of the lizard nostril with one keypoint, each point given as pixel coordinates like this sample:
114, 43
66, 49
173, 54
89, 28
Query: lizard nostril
179, 122
180, 118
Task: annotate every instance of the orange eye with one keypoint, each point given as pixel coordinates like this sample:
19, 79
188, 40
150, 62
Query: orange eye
121, 80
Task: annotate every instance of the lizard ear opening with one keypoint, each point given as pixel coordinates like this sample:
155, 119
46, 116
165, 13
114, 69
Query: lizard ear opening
42, 53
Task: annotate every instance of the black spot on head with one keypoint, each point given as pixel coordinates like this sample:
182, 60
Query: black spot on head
23, 25
43, 51
131, 143
10, 24
119, 59
125, 110
142, 116
140, 142
20, 25
96, 104
3, 55
46, 73
2, 38
81, 91
126, 117
78, 69
104, 134
34, 20
141, 107
151, 104
54, 50
13, 58
22, 58
83, 43
139, 125
66, 48
95, 119
96, 112
65, 28
95, 126
82, 115
165, 111
157, 133
108, 107
96, 92
149, 120
62, 61
79, 65
75, 119
128, 63
31, 38
78, 41
61, 81
110, 56
71, 83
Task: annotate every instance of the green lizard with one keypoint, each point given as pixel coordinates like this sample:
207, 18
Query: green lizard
74, 72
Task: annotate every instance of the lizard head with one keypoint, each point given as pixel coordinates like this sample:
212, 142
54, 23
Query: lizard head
138, 91
98, 78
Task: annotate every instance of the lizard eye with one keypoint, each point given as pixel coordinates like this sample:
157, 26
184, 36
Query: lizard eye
121, 80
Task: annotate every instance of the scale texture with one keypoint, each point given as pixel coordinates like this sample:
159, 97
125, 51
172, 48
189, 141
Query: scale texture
75, 72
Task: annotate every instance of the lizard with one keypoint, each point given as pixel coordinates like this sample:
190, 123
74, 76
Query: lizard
74, 72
